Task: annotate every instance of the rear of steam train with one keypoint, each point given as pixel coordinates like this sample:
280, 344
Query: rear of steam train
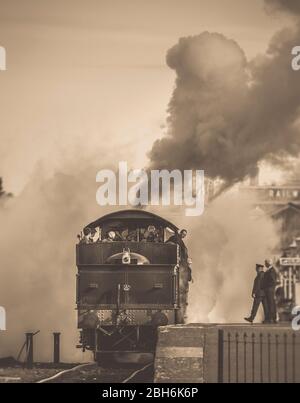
130, 281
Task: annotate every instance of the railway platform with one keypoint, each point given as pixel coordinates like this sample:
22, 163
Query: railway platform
231, 353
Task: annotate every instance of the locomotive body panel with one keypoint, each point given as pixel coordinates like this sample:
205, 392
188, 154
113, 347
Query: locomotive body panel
141, 286
99, 253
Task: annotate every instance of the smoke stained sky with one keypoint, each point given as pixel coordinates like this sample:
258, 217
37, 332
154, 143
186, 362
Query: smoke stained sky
80, 71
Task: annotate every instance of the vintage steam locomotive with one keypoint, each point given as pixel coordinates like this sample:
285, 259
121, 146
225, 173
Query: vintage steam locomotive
130, 281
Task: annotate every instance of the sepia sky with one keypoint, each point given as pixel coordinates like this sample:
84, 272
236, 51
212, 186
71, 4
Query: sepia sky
83, 75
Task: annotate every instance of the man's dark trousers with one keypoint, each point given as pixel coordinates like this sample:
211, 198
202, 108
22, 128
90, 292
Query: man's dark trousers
270, 298
256, 303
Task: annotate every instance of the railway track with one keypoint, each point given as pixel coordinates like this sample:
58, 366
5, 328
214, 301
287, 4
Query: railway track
92, 373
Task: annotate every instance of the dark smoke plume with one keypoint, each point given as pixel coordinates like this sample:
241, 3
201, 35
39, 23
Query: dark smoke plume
227, 114
291, 6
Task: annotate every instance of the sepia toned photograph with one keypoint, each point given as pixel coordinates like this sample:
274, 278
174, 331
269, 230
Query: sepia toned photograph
149, 195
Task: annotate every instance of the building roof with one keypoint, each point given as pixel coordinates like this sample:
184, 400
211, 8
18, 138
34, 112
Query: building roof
288, 206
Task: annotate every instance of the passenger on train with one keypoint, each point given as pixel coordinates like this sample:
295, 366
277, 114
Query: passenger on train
132, 236
177, 239
94, 236
124, 234
152, 234
129, 235
86, 235
110, 237
149, 234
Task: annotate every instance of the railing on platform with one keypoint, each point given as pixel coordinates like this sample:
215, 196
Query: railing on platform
258, 356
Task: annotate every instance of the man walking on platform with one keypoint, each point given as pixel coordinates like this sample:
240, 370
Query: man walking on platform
269, 284
258, 294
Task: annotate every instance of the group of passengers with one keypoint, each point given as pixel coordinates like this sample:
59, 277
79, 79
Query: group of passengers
149, 234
